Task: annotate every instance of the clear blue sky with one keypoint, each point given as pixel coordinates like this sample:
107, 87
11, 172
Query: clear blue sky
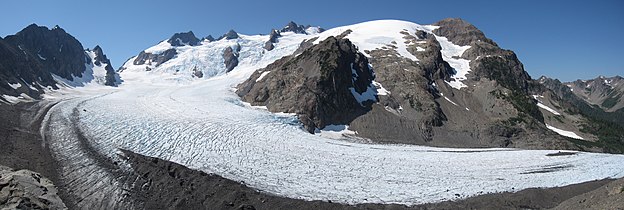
560, 39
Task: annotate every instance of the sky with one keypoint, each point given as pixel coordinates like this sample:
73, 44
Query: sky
567, 40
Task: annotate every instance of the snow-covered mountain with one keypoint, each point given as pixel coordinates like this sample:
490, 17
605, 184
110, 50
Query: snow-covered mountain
443, 84
433, 84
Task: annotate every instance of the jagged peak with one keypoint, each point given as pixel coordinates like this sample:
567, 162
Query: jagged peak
184, 38
209, 38
294, 27
231, 34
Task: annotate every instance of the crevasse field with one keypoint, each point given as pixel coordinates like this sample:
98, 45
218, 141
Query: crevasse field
202, 124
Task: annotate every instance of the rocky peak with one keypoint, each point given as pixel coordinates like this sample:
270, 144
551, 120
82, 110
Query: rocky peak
182, 39
59, 52
293, 27
460, 32
209, 38
230, 35
323, 84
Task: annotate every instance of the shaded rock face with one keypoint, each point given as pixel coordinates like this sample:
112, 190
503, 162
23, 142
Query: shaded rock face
100, 59
229, 35
149, 59
209, 38
230, 56
315, 84
20, 67
24, 189
273, 36
293, 27
58, 52
183, 39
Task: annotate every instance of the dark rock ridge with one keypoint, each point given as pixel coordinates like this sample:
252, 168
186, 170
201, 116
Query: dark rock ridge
183, 39
112, 78
293, 27
315, 84
298, 29
273, 36
155, 59
33, 55
229, 35
209, 38
58, 52
230, 57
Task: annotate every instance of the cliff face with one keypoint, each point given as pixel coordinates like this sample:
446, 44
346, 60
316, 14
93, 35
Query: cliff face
329, 83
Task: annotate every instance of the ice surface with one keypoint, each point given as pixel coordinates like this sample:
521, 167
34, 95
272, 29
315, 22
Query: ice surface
203, 124
564, 132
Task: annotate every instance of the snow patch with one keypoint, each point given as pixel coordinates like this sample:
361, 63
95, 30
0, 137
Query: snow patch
380, 89
449, 100
451, 53
16, 85
335, 132
262, 75
564, 132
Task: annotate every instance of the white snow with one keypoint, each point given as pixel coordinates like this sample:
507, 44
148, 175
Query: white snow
369, 95
159, 48
262, 75
540, 105
16, 85
564, 132
203, 124
335, 132
377, 34
449, 100
41, 57
381, 91
452, 53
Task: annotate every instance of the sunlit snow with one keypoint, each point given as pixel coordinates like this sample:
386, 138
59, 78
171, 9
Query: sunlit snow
201, 123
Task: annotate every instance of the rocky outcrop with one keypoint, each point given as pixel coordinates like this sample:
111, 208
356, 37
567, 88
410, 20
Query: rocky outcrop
112, 78
24, 189
209, 38
605, 92
230, 57
155, 59
183, 39
273, 36
57, 51
293, 27
319, 85
229, 35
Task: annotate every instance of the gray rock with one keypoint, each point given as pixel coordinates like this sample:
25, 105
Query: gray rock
314, 84
148, 58
229, 35
112, 78
230, 57
293, 27
24, 189
209, 38
182, 39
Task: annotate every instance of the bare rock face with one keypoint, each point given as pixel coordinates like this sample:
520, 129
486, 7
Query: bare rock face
293, 27
230, 56
231, 34
24, 189
183, 39
59, 52
268, 45
316, 84
112, 78
149, 58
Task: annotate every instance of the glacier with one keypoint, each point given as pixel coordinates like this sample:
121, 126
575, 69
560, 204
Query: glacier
203, 124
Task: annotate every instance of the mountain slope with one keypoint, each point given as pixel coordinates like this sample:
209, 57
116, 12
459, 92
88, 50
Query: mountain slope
38, 59
604, 92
